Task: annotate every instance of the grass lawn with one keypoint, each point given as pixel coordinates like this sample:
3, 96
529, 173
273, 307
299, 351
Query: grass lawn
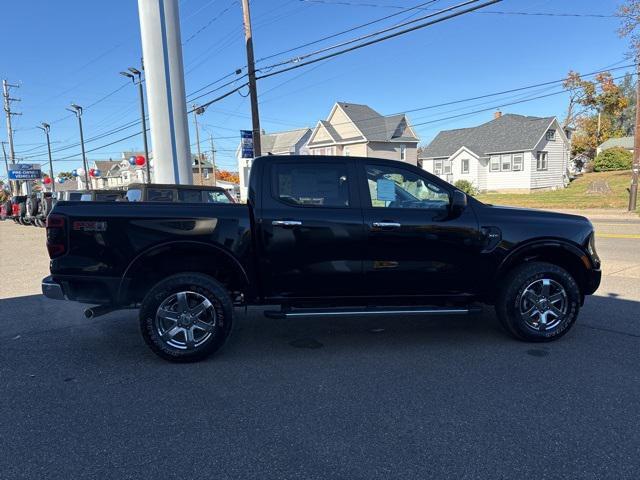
575, 196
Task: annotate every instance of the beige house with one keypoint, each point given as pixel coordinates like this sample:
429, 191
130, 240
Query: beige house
359, 131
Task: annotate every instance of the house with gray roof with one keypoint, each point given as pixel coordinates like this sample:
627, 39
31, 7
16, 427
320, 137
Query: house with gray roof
358, 130
623, 142
291, 142
510, 153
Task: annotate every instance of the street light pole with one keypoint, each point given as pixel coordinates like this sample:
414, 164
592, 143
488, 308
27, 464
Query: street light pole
46, 128
135, 73
198, 111
77, 109
6, 164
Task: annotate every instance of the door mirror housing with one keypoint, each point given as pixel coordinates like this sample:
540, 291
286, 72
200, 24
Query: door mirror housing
459, 202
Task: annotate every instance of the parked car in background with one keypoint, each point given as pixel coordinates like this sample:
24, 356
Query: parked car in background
320, 236
154, 192
19, 208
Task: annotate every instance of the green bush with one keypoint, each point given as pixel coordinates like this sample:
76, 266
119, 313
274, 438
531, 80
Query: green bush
467, 187
616, 158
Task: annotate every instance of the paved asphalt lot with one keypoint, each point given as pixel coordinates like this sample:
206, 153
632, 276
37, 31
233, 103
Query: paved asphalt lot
350, 398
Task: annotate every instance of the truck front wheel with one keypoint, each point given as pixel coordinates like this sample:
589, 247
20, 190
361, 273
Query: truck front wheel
186, 317
538, 302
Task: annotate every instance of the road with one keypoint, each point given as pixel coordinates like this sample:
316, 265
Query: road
353, 398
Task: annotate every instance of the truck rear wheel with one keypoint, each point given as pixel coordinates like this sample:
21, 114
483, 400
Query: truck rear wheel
186, 317
538, 302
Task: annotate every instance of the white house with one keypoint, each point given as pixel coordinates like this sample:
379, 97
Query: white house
292, 142
510, 153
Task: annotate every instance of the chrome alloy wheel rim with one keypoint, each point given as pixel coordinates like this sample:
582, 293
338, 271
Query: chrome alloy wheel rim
185, 320
544, 304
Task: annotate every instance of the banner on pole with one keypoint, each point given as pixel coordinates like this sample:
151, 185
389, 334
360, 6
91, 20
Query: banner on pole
24, 171
246, 143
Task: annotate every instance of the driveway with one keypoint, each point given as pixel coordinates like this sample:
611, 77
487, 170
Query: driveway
350, 398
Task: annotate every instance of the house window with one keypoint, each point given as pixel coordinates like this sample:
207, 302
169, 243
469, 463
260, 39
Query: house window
346, 151
403, 152
542, 161
328, 151
505, 163
494, 164
446, 166
551, 135
437, 167
518, 162
465, 165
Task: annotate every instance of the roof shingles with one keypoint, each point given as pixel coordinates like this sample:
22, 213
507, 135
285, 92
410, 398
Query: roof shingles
505, 134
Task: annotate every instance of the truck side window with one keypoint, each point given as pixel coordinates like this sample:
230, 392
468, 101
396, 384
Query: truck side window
391, 187
216, 197
190, 196
311, 184
134, 195
159, 195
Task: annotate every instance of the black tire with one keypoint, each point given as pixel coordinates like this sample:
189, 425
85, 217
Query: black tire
513, 298
220, 314
46, 206
32, 206
22, 209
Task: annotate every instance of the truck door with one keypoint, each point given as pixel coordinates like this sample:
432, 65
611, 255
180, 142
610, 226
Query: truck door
414, 244
310, 229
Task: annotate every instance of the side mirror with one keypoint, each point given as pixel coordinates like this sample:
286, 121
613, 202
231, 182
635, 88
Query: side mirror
458, 202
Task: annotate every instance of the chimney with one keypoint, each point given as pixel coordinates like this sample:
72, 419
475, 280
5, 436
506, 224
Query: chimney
497, 114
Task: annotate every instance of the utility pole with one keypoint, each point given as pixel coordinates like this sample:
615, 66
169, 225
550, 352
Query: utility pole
198, 111
46, 128
77, 109
213, 160
6, 86
134, 73
253, 92
633, 192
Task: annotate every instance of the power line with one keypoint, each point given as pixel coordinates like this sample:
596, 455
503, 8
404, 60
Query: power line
386, 37
349, 30
494, 12
379, 32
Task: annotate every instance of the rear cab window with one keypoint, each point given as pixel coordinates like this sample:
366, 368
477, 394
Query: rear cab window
311, 184
160, 195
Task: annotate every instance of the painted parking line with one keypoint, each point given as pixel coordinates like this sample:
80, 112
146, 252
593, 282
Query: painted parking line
618, 235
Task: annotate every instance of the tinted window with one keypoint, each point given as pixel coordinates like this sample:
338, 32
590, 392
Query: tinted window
400, 188
85, 197
75, 196
312, 184
216, 197
134, 195
159, 195
190, 196
107, 197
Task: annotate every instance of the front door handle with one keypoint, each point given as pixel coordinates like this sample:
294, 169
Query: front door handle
286, 223
386, 225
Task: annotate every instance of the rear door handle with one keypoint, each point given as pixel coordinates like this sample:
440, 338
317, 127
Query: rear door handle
286, 223
386, 225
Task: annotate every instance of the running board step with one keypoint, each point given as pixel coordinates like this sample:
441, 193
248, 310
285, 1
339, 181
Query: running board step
350, 312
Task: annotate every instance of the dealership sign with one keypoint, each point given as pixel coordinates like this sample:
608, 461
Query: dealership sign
24, 171
246, 142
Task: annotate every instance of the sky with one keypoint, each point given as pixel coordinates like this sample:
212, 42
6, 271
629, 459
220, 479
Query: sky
73, 50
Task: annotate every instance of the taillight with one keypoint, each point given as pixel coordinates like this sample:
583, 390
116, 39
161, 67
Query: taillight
56, 235
15, 209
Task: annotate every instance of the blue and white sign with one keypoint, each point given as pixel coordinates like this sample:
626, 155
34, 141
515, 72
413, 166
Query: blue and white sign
24, 171
246, 143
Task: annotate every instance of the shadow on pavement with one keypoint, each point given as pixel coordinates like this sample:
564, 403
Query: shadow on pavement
116, 336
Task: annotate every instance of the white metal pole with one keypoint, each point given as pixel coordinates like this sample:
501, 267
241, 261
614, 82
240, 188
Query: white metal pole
166, 98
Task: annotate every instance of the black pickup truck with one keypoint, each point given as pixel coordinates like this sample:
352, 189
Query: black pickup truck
321, 236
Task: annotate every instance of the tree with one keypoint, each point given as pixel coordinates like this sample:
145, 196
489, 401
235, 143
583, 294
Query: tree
228, 176
629, 13
626, 121
595, 107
